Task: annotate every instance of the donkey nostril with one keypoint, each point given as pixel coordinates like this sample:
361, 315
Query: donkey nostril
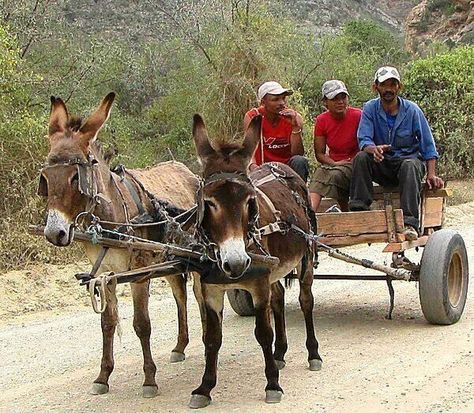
247, 263
61, 234
227, 268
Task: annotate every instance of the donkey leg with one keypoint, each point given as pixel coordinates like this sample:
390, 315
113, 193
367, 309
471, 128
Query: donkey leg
197, 289
278, 308
214, 303
142, 326
307, 305
264, 335
108, 321
178, 287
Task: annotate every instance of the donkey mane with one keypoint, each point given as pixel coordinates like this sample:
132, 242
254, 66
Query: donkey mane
74, 123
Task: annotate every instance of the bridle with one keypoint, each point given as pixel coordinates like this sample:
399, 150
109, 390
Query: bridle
87, 184
201, 233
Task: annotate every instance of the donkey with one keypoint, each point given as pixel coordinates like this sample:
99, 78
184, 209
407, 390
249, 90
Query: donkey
77, 179
231, 202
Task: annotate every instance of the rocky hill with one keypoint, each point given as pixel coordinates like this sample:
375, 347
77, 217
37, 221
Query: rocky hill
137, 19
449, 21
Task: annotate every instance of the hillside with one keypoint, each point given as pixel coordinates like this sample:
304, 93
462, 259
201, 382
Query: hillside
451, 22
134, 20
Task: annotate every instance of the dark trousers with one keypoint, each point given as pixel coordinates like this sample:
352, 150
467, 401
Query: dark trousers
300, 165
405, 173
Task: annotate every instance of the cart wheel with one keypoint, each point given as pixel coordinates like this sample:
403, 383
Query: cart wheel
241, 302
444, 276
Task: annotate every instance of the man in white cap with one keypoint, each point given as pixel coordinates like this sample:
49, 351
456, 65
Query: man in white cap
397, 150
282, 127
336, 130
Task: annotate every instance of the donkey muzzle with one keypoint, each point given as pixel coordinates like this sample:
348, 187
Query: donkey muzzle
58, 231
234, 260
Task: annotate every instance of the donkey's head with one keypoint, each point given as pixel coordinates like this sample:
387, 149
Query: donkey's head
227, 202
66, 178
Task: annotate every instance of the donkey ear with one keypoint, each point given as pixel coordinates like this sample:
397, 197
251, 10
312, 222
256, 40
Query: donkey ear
58, 116
252, 137
88, 132
201, 139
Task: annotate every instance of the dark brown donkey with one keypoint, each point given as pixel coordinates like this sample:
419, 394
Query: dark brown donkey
231, 202
76, 178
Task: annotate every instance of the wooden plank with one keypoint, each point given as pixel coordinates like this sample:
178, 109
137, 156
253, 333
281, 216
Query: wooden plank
344, 241
435, 193
433, 212
391, 230
402, 246
355, 223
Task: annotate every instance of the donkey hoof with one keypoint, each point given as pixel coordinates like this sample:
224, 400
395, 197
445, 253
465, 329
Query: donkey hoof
149, 391
176, 357
280, 364
273, 396
315, 365
198, 401
99, 388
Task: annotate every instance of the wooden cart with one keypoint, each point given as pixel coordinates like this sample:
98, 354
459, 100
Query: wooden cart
443, 271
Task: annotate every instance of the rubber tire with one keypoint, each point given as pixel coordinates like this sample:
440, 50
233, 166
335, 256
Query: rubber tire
445, 249
241, 302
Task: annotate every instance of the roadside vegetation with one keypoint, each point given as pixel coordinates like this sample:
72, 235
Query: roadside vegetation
207, 58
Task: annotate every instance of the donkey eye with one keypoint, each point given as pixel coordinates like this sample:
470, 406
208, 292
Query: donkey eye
75, 180
210, 204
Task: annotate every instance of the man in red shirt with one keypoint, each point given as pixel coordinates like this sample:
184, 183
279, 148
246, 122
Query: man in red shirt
282, 129
336, 130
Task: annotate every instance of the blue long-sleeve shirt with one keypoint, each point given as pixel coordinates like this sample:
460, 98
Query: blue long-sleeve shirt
410, 136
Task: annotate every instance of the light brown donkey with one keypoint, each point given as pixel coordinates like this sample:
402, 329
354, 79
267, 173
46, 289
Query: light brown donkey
231, 204
77, 179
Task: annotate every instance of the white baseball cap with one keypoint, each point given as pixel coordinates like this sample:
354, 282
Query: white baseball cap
272, 88
386, 72
332, 88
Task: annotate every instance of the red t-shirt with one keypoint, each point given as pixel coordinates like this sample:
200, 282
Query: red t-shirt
340, 134
276, 139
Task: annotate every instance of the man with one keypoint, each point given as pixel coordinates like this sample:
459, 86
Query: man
282, 127
397, 149
335, 129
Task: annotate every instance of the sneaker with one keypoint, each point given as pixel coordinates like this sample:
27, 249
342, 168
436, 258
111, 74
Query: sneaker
334, 208
411, 234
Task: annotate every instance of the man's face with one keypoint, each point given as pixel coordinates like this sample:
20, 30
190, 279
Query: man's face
388, 90
337, 106
274, 103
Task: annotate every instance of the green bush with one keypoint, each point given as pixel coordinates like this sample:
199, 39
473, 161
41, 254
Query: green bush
442, 86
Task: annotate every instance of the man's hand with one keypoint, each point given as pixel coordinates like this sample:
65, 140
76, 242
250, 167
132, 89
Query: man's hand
295, 118
253, 166
434, 182
378, 151
343, 161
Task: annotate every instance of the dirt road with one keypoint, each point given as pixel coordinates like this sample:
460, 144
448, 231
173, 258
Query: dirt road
48, 359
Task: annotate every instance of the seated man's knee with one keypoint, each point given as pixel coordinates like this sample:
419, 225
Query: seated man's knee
362, 157
298, 160
300, 165
411, 167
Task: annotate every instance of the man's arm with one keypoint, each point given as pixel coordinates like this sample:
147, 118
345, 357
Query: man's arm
253, 163
296, 139
433, 181
428, 151
320, 151
365, 135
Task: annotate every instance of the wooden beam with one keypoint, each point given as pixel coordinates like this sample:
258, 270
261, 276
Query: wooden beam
257, 259
356, 223
405, 245
346, 240
433, 212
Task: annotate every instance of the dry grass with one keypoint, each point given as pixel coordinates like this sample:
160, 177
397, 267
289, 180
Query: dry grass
463, 191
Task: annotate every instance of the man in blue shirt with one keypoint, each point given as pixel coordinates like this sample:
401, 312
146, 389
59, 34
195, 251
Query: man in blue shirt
397, 149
